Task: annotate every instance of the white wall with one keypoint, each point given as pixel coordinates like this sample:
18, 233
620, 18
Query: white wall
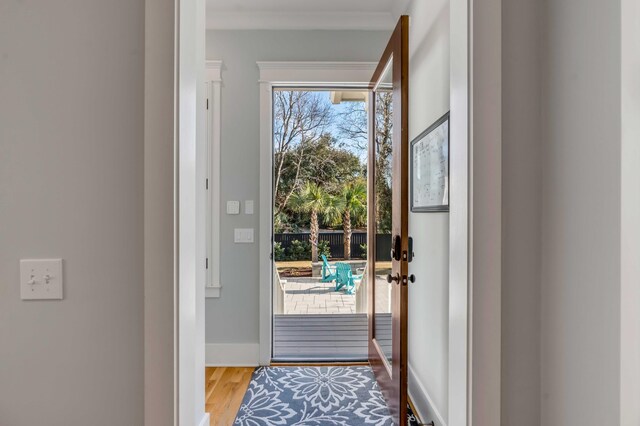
429, 295
233, 318
71, 186
581, 214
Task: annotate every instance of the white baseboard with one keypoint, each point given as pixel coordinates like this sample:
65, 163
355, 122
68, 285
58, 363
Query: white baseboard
422, 402
232, 354
205, 420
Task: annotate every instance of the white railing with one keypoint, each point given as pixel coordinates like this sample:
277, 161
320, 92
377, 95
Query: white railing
361, 293
278, 292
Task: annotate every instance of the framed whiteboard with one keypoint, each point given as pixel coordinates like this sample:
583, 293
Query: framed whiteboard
430, 168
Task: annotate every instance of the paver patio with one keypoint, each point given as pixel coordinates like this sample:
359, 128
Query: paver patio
310, 296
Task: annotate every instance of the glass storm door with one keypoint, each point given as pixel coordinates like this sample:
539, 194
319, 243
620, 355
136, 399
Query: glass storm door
389, 247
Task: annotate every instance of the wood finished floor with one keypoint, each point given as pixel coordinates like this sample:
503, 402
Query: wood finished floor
224, 389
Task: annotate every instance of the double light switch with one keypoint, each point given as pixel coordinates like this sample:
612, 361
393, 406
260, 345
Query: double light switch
40, 279
243, 235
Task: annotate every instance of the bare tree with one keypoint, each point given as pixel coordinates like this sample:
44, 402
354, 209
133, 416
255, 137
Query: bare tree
353, 127
299, 117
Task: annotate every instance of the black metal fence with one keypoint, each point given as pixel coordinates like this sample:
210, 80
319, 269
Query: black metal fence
336, 245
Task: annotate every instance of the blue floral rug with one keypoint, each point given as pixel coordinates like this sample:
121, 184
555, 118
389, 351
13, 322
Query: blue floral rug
314, 396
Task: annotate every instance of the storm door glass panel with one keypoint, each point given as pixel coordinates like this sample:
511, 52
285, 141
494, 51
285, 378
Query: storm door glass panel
383, 128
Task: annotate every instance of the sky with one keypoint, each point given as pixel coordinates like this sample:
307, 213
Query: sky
338, 109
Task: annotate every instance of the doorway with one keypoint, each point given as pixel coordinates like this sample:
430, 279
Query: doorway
298, 173
319, 224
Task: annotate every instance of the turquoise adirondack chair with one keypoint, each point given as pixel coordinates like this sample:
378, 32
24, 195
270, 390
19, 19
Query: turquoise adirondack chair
346, 278
328, 271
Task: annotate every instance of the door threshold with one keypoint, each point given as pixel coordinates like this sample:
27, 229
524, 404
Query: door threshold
316, 363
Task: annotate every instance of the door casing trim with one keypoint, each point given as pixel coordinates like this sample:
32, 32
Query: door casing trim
288, 74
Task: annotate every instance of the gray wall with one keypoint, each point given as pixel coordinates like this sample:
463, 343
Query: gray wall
581, 214
233, 318
561, 213
159, 213
521, 211
429, 295
71, 186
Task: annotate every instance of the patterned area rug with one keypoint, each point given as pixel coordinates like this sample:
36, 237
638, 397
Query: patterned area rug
314, 396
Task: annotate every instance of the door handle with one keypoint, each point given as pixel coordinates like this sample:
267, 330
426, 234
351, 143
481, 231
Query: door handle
411, 278
391, 278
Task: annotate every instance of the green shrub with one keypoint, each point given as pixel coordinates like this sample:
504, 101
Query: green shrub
299, 250
363, 251
278, 252
323, 248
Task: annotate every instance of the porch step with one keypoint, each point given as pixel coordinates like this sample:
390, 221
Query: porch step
324, 337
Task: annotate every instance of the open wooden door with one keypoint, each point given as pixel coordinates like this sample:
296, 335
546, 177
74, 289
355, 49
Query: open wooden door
388, 215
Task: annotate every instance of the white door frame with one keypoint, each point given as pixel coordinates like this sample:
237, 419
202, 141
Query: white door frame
630, 211
475, 245
288, 74
174, 198
191, 211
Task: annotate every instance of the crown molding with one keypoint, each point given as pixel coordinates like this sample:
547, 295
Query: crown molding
316, 73
315, 65
226, 20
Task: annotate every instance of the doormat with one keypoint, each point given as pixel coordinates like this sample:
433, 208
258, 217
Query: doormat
315, 396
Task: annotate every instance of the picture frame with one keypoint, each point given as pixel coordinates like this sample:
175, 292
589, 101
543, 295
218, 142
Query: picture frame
429, 164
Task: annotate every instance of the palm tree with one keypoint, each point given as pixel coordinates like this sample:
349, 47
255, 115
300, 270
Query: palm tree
311, 199
349, 205
354, 197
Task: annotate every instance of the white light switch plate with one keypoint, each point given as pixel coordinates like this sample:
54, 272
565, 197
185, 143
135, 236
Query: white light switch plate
243, 235
40, 279
233, 207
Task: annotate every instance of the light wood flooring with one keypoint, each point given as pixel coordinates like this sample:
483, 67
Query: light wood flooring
224, 389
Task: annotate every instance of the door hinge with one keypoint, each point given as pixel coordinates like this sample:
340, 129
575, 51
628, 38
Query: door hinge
206, 183
206, 262
207, 103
